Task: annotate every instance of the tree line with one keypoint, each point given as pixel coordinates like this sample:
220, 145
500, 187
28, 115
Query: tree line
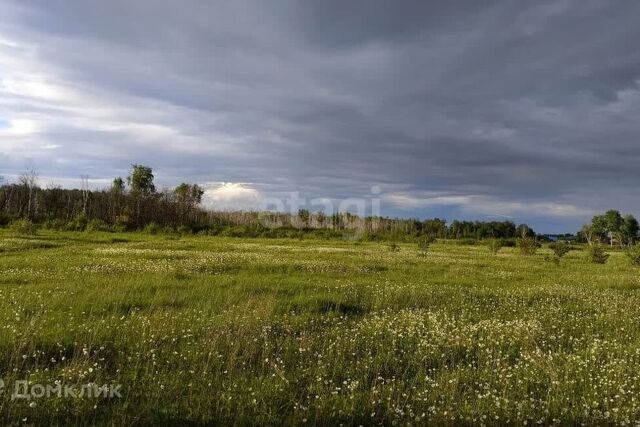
134, 203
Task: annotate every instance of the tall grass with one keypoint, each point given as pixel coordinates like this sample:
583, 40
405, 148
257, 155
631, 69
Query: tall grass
215, 330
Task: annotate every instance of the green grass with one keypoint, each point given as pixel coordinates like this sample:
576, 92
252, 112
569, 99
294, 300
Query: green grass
212, 330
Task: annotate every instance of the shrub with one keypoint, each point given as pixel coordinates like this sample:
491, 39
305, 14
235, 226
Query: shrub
54, 224
23, 226
560, 249
597, 255
152, 228
184, 229
79, 223
121, 224
467, 241
528, 245
424, 243
634, 254
495, 245
97, 225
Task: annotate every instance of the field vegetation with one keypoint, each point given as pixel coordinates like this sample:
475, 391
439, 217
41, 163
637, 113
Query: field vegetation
223, 330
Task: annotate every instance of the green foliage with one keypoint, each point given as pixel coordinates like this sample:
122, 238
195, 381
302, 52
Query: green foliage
304, 216
79, 223
312, 332
141, 180
560, 249
424, 243
24, 227
55, 224
633, 253
122, 223
596, 254
611, 225
495, 245
189, 194
527, 245
97, 225
630, 229
153, 228
118, 185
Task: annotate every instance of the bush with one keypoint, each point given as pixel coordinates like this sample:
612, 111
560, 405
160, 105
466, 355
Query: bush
79, 223
528, 245
97, 225
152, 228
634, 254
424, 243
54, 224
467, 241
597, 255
4, 220
23, 226
121, 224
184, 229
495, 245
560, 249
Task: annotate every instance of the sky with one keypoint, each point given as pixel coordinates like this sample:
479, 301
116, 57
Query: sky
483, 110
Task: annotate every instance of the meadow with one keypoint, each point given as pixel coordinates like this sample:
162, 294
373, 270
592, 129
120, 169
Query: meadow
210, 330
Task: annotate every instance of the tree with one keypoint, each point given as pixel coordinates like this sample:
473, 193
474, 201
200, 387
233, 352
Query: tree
321, 217
188, 197
524, 231
435, 227
304, 216
611, 225
630, 229
141, 180
588, 233
117, 187
189, 194
29, 180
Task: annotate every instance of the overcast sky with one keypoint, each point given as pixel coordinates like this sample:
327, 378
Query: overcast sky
528, 111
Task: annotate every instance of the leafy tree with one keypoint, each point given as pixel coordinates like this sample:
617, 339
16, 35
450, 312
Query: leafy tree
613, 221
189, 194
435, 227
611, 225
141, 180
630, 229
586, 234
117, 186
524, 231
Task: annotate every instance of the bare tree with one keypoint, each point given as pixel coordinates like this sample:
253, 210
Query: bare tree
85, 192
29, 180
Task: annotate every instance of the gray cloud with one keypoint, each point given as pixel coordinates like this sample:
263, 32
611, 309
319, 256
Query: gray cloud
493, 106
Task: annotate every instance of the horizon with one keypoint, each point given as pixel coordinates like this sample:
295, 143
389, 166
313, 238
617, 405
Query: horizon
489, 111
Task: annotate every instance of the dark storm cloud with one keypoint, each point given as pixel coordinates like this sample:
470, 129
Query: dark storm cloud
527, 110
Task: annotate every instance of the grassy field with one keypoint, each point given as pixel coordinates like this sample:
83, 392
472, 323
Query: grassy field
209, 330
